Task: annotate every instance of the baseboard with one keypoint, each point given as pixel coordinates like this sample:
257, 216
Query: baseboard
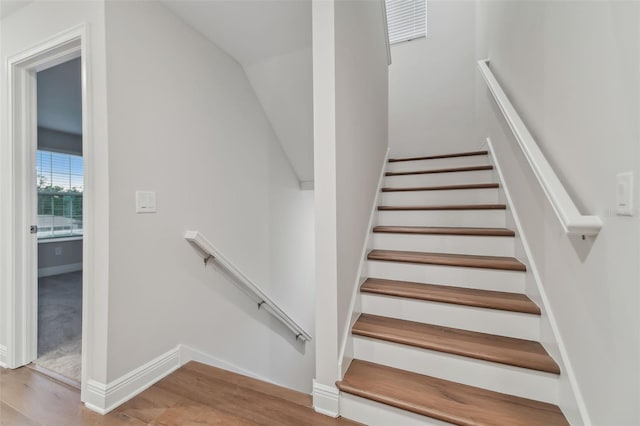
60, 269
102, 398
326, 399
344, 358
568, 368
3, 356
188, 353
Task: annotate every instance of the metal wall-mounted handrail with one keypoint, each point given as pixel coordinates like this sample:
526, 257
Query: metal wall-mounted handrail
249, 287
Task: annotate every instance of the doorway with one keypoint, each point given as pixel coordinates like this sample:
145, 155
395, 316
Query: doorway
59, 194
19, 244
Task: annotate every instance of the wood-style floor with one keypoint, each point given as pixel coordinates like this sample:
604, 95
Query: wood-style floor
195, 394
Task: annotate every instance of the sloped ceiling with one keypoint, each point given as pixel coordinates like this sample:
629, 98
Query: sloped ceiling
271, 39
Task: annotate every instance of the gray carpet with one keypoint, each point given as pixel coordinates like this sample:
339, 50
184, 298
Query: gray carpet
60, 324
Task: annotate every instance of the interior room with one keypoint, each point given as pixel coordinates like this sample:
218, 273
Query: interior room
59, 169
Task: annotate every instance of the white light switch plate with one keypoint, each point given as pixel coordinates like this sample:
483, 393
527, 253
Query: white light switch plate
624, 194
145, 202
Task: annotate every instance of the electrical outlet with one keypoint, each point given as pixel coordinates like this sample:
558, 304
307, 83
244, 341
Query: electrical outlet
58, 251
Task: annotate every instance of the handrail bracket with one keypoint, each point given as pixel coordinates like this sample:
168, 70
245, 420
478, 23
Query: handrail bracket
246, 284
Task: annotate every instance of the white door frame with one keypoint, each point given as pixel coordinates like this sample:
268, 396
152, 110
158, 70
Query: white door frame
18, 246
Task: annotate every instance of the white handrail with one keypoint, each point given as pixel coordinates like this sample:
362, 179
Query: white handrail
245, 284
571, 219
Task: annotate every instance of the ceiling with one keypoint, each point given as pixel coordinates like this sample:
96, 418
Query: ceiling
249, 30
7, 7
60, 97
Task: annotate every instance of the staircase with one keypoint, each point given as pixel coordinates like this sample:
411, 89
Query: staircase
446, 334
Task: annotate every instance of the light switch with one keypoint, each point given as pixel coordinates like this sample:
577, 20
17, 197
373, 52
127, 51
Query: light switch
624, 194
145, 202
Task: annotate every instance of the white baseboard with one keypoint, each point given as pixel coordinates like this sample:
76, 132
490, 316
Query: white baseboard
567, 368
3, 356
60, 269
326, 399
102, 398
188, 353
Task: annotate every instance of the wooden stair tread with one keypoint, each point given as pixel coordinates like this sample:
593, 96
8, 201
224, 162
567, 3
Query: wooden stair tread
455, 295
444, 400
444, 187
445, 230
487, 347
435, 157
448, 207
448, 259
445, 170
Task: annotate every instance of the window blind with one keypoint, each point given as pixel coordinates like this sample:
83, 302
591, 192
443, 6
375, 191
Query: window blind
60, 189
406, 19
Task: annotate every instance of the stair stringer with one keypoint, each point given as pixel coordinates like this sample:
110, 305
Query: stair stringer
346, 346
570, 398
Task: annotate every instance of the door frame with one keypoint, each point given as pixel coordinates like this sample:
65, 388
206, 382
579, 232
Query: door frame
19, 246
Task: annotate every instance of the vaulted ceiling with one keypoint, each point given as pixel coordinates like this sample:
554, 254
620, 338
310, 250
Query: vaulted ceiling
271, 39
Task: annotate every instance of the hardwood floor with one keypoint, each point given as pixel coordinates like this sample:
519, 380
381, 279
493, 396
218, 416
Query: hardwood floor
195, 394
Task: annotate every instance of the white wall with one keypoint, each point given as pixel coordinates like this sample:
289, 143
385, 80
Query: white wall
272, 41
283, 85
186, 123
350, 132
22, 30
571, 70
431, 84
361, 132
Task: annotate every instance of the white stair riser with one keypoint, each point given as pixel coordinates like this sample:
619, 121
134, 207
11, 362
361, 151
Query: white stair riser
482, 320
497, 377
485, 279
426, 198
440, 163
374, 413
477, 218
433, 179
461, 244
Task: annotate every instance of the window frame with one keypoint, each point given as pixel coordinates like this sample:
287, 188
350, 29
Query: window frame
411, 28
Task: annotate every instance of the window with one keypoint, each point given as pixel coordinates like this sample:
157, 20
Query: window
60, 186
406, 19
